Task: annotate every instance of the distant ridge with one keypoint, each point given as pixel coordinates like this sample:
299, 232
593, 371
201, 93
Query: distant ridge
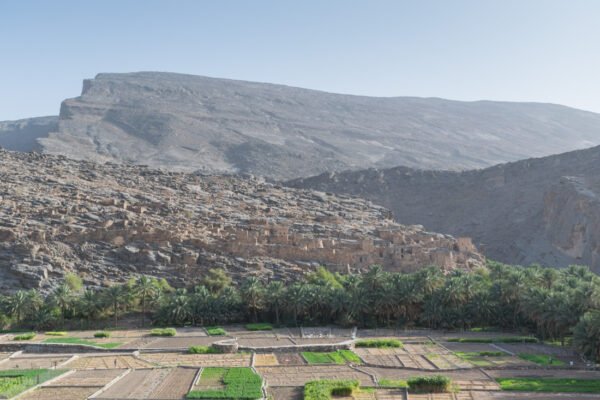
22, 135
544, 210
187, 122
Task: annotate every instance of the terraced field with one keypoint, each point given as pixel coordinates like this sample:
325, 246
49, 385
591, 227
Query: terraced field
161, 368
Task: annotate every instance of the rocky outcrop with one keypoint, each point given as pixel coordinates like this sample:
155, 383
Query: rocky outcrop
541, 210
109, 221
185, 122
22, 135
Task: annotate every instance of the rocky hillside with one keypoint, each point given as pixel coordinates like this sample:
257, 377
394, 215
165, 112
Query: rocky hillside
185, 122
543, 210
22, 135
109, 221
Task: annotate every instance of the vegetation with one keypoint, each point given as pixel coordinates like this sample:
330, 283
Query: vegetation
56, 333
549, 304
396, 383
215, 331
263, 326
542, 359
13, 382
337, 357
25, 336
429, 384
102, 335
323, 389
72, 340
163, 332
479, 358
491, 340
379, 343
241, 383
204, 350
551, 384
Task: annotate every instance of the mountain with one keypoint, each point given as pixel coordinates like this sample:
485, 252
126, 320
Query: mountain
544, 210
107, 222
21, 135
185, 122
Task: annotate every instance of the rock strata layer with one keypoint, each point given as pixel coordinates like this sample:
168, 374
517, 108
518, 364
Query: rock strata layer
186, 122
107, 222
543, 210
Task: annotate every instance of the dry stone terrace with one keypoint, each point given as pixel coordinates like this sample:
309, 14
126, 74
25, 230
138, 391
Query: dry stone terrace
109, 221
169, 373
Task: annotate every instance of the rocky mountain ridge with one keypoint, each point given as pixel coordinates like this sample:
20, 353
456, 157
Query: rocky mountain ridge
542, 210
186, 122
106, 222
22, 135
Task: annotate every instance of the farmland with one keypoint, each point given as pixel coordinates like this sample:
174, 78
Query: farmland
289, 363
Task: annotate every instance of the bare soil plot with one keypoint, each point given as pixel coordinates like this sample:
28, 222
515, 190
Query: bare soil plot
383, 357
240, 331
564, 354
424, 349
198, 360
416, 361
88, 378
191, 331
264, 342
265, 360
380, 332
470, 347
286, 393
299, 375
468, 395
138, 384
290, 359
448, 361
107, 362
62, 393
306, 341
32, 363
181, 343
390, 394
176, 385
139, 343
4, 355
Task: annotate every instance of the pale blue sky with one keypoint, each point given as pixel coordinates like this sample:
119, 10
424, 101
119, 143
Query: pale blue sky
517, 50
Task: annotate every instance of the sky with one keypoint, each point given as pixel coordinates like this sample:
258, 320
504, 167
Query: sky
512, 50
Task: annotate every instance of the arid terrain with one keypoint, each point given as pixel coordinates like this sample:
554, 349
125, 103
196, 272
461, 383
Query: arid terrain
542, 210
107, 222
187, 122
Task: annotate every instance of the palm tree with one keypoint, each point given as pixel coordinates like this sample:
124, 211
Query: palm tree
144, 289
199, 301
586, 334
253, 294
275, 297
89, 304
62, 297
18, 304
115, 297
297, 299
179, 307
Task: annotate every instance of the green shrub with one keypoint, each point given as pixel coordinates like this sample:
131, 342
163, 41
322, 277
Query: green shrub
204, 350
429, 384
379, 343
261, 326
323, 389
101, 335
26, 336
542, 359
56, 333
398, 383
490, 340
215, 331
72, 340
163, 332
13, 382
550, 384
241, 383
317, 358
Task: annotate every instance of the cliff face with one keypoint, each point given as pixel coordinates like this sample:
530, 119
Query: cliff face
106, 222
541, 210
186, 122
22, 135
